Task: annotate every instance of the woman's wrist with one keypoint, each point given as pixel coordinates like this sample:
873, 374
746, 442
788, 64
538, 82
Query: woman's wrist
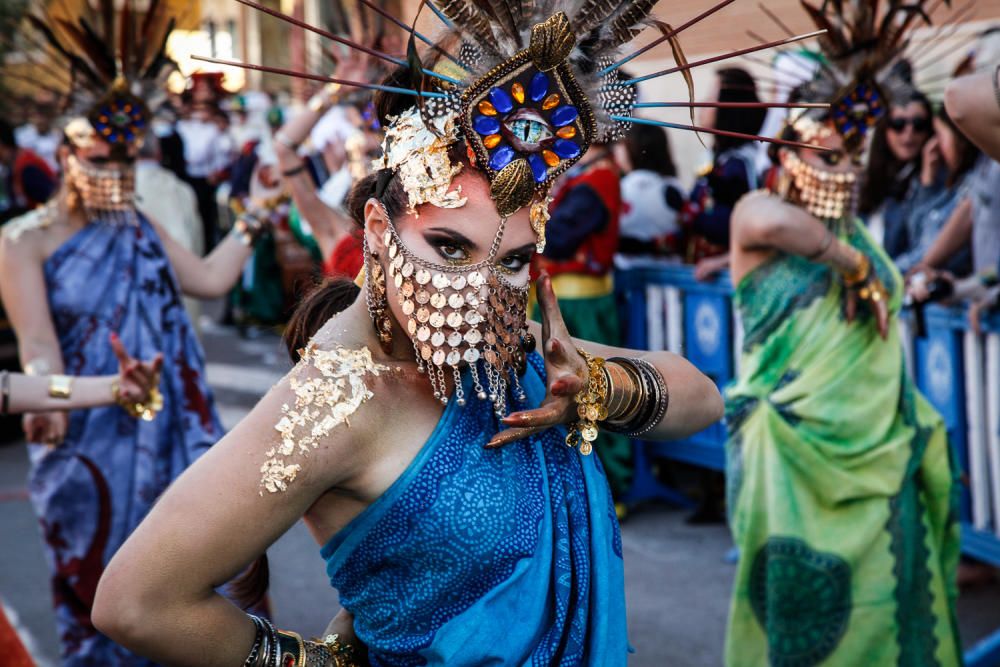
645, 396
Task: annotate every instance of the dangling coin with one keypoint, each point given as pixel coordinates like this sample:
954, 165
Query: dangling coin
437, 339
441, 281
589, 433
455, 320
423, 296
458, 282
423, 276
586, 448
438, 300
437, 319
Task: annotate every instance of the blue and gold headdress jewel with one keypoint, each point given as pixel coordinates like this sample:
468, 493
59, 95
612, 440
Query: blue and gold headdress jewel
862, 43
530, 86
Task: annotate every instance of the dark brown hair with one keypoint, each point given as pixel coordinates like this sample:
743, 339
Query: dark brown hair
882, 174
736, 85
968, 154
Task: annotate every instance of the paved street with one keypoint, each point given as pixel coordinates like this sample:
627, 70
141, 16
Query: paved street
676, 575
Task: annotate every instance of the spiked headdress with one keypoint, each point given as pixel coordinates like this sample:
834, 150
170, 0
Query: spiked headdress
112, 63
862, 44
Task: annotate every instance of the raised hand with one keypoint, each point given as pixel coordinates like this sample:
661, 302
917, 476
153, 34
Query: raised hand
566, 371
136, 379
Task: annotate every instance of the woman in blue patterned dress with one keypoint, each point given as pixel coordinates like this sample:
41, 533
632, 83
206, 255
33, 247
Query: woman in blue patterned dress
421, 436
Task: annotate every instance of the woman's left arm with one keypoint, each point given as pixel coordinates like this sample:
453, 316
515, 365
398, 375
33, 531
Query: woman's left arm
973, 102
208, 277
693, 400
158, 595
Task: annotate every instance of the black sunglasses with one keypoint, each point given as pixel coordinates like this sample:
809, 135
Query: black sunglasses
920, 124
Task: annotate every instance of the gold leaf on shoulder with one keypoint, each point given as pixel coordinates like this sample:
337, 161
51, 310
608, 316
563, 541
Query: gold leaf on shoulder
551, 42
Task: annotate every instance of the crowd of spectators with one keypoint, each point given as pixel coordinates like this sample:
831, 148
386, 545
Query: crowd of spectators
928, 195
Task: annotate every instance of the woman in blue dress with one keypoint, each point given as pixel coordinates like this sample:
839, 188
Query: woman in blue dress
84, 267
420, 435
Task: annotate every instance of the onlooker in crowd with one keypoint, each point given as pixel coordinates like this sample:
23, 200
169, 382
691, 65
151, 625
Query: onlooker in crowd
208, 150
38, 134
948, 159
335, 128
28, 179
579, 256
164, 198
652, 196
892, 178
732, 174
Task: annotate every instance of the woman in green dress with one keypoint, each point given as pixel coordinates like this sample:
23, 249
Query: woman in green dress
842, 491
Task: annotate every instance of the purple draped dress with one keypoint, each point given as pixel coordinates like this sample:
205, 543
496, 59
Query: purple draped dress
92, 492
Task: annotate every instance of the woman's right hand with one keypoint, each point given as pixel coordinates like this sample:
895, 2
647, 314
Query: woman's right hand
136, 379
48, 428
931, 162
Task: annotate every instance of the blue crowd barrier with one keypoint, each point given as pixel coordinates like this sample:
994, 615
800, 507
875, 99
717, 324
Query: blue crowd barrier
957, 369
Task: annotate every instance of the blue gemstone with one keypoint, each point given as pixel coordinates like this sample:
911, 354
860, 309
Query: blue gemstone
538, 167
564, 115
503, 102
502, 157
539, 87
566, 149
486, 125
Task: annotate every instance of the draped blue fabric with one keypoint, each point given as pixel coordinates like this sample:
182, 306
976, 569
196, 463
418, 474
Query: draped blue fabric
91, 492
487, 557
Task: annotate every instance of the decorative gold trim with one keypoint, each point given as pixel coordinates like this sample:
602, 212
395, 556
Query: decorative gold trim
552, 41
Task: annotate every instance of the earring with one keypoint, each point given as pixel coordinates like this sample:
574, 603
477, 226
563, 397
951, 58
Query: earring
378, 305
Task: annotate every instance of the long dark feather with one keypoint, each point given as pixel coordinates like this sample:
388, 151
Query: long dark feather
629, 22
467, 15
593, 13
507, 15
90, 46
106, 9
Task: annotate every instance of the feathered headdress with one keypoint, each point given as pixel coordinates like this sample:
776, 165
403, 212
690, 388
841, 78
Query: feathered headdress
114, 60
862, 44
528, 84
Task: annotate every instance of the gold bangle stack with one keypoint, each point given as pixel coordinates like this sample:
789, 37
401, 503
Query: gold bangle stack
60, 387
860, 273
591, 404
624, 395
146, 410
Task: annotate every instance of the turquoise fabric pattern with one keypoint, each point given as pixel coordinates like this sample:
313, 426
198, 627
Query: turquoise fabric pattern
487, 557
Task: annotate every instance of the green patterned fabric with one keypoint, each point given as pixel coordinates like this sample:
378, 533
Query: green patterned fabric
596, 320
842, 490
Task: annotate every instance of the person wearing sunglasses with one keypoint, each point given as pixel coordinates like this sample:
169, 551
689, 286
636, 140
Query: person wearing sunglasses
947, 160
895, 163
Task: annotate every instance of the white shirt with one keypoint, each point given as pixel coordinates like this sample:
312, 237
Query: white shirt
645, 213
207, 149
44, 145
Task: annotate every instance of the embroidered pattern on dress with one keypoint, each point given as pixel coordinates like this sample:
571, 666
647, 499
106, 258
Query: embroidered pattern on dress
322, 403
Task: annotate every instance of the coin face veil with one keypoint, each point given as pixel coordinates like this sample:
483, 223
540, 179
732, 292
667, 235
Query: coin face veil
462, 318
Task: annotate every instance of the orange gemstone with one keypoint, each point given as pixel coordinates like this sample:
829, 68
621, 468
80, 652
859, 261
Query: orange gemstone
567, 132
550, 158
517, 90
487, 109
551, 102
491, 141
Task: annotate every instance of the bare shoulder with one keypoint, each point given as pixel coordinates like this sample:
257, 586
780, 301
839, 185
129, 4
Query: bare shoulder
320, 416
26, 233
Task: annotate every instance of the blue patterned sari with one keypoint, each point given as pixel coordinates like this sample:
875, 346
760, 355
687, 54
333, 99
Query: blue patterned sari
487, 557
91, 492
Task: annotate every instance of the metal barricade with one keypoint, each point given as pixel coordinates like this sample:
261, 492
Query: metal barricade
957, 370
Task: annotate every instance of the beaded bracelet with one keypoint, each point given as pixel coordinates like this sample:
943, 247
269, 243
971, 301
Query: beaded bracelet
591, 406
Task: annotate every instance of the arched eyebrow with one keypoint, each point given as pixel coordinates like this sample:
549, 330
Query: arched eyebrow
527, 248
456, 236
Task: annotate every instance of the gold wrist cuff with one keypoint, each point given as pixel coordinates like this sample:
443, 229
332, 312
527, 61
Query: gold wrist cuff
60, 386
860, 272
